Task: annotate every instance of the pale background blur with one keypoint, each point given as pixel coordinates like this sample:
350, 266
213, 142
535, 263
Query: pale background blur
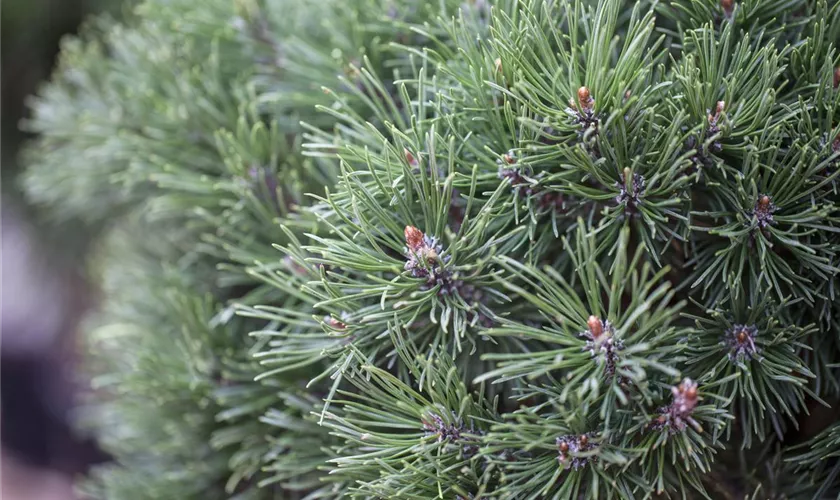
43, 294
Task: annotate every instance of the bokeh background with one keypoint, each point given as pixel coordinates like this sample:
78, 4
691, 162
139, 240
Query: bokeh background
31, 33
45, 291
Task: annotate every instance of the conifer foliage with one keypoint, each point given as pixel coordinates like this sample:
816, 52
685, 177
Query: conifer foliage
457, 249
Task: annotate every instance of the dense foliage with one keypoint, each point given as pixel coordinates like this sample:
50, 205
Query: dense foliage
405, 249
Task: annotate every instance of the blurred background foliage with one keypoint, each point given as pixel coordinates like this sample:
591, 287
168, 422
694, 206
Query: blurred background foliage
31, 33
46, 293
29, 42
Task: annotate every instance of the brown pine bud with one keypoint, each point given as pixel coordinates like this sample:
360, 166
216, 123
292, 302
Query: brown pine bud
410, 158
691, 393
719, 108
338, 325
837, 77
584, 440
563, 447
413, 238
727, 6
742, 337
508, 158
764, 202
584, 98
583, 94
596, 328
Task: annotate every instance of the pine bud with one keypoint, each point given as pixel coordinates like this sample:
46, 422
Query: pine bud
685, 397
570, 446
338, 325
410, 158
584, 98
728, 6
413, 238
837, 77
719, 108
583, 95
595, 326
763, 211
741, 342
764, 202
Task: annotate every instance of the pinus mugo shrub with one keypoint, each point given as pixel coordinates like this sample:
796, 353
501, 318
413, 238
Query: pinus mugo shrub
457, 249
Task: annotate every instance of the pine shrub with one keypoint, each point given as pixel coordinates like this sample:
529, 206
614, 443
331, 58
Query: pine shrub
456, 249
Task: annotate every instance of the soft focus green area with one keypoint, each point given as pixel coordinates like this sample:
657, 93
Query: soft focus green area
31, 31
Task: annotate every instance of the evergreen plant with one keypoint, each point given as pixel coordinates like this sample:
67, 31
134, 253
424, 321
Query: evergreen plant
510, 249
